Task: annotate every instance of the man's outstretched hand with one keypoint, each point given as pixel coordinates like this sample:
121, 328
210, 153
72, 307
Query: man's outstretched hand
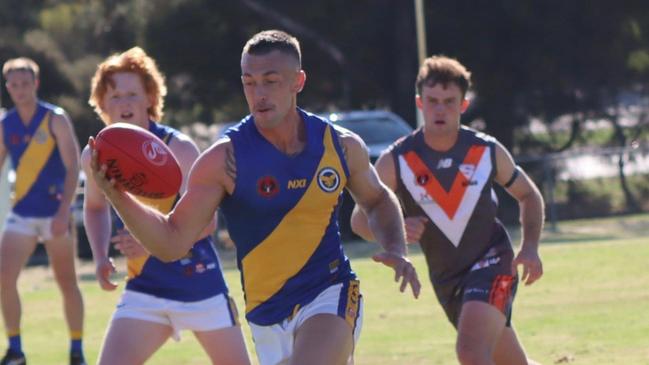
403, 270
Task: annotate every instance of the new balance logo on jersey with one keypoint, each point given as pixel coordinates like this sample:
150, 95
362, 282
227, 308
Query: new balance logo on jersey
445, 163
297, 184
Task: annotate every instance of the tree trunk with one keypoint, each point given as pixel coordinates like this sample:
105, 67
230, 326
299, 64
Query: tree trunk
630, 200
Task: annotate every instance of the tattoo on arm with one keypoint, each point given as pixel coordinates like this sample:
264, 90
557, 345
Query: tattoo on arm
230, 165
340, 134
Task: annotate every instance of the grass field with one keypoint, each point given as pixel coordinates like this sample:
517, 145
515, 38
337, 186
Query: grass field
589, 308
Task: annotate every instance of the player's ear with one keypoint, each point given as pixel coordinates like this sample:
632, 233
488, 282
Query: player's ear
465, 105
300, 79
419, 102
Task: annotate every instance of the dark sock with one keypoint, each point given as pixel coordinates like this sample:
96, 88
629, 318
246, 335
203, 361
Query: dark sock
15, 344
76, 346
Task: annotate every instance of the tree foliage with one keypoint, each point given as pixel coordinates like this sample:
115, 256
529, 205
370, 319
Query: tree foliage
530, 59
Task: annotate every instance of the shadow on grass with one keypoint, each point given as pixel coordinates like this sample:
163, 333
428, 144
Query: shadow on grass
118, 277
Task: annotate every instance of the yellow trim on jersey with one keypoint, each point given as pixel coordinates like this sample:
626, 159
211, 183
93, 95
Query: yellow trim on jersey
287, 249
163, 205
135, 265
34, 158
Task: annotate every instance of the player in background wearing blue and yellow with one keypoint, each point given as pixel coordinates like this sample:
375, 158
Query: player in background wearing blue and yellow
278, 176
161, 298
44, 152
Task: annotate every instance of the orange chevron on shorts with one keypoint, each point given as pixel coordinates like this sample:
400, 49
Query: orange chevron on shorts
450, 200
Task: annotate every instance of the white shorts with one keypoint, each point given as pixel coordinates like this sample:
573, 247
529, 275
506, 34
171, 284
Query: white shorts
274, 344
40, 227
211, 314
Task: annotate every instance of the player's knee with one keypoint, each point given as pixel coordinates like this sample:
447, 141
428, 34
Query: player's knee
470, 353
8, 278
68, 284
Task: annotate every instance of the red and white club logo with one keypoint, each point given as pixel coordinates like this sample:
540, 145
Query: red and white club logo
155, 153
267, 186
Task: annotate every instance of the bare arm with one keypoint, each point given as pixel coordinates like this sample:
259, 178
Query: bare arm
382, 210
414, 225
3, 149
359, 221
169, 237
68, 146
186, 152
97, 221
531, 208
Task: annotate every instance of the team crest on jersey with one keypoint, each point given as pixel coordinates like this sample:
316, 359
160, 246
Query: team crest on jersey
422, 178
267, 186
14, 139
40, 136
328, 179
155, 153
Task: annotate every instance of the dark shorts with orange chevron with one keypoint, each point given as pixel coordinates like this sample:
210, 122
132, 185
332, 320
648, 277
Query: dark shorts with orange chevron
489, 280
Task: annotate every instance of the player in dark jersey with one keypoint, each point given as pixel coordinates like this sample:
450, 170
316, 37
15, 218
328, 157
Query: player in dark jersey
161, 298
44, 152
278, 177
443, 175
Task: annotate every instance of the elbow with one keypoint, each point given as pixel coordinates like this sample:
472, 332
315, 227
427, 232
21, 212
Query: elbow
355, 225
169, 256
360, 225
169, 252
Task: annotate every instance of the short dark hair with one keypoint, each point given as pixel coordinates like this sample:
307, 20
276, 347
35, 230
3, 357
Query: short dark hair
273, 40
444, 70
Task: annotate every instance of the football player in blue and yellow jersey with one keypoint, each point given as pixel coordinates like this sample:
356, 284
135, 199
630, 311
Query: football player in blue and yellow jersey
161, 297
443, 174
44, 152
278, 177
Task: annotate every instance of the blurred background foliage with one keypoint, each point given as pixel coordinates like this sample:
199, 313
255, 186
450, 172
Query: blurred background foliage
549, 76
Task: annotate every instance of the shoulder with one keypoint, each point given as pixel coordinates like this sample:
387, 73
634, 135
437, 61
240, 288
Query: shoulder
477, 135
85, 157
61, 124
184, 149
58, 116
349, 140
182, 142
216, 163
218, 153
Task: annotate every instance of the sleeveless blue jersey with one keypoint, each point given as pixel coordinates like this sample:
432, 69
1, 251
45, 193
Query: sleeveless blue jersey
40, 173
283, 218
197, 276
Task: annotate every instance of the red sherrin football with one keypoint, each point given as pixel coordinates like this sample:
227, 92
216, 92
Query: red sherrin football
139, 161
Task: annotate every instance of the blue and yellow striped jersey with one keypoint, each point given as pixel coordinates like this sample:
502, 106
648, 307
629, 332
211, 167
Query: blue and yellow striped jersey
40, 173
283, 218
197, 276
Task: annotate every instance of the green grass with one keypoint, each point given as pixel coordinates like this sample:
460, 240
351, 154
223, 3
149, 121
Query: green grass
589, 308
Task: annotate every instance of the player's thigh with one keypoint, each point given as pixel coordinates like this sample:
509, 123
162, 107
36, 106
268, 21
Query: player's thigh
479, 328
224, 346
60, 251
15, 250
509, 350
132, 341
325, 339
